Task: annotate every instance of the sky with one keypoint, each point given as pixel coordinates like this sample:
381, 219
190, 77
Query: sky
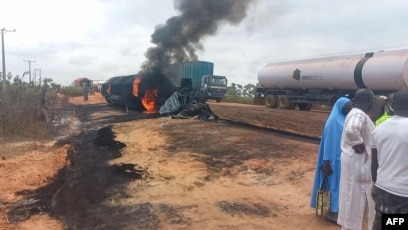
99, 39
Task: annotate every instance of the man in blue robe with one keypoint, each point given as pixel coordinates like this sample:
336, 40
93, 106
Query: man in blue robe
328, 161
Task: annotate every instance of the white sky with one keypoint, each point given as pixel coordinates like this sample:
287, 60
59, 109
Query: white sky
99, 39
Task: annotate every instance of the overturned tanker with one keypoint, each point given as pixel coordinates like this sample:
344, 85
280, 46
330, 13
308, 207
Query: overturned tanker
142, 92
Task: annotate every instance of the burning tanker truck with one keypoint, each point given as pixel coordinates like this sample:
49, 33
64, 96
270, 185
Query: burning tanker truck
142, 92
184, 88
303, 83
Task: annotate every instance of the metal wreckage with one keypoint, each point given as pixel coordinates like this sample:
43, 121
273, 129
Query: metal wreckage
153, 92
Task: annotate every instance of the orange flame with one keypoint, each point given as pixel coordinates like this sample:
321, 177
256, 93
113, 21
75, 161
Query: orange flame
136, 83
149, 101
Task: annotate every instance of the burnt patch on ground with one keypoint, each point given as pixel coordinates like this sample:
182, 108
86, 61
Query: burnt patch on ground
172, 214
244, 209
78, 194
138, 216
106, 138
221, 151
288, 134
135, 216
128, 171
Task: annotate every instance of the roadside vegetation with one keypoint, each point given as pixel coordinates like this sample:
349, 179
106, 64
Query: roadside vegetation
72, 91
237, 93
26, 109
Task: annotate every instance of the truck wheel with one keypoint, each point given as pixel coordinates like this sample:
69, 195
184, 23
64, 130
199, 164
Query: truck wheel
218, 100
305, 106
284, 102
271, 101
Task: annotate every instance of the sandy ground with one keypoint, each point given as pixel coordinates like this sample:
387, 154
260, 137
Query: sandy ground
119, 170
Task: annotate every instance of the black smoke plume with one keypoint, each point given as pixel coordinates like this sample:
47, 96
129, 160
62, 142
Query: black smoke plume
178, 39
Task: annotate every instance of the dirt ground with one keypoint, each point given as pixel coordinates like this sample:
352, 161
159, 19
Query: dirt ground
112, 169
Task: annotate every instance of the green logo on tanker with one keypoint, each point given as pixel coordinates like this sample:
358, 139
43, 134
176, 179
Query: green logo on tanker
296, 74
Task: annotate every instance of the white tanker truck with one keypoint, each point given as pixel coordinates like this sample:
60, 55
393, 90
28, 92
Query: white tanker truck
322, 80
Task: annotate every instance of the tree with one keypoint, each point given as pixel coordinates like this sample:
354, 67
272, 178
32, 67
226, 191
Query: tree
17, 80
9, 76
238, 90
249, 90
233, 90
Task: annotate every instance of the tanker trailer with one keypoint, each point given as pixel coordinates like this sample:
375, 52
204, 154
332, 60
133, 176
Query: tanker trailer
303, 83
141, 92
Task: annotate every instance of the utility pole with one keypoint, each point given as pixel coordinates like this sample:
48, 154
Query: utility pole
29, 69
3, 31
36, 75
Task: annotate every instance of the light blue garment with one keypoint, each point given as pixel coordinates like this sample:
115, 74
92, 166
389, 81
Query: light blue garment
330, 150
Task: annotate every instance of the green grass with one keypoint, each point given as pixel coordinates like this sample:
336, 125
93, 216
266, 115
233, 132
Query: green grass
238, 99
72, 91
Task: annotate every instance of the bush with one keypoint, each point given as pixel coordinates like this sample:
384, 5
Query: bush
72, 91
26, 112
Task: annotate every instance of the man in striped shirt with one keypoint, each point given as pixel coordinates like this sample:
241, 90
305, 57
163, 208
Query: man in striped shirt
355, 199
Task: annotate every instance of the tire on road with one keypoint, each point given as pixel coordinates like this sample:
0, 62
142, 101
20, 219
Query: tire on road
271, 101
284, 102
304, 106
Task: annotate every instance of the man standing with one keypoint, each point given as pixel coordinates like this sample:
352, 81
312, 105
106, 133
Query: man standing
355, 178
85, 88
390, 172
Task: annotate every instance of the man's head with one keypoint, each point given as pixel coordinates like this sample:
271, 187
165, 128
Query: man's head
364, 99
400, 103
347, 108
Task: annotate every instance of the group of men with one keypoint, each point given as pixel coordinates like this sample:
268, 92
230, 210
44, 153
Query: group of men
365, 163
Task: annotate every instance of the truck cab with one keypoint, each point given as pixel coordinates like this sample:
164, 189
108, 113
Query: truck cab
214, 86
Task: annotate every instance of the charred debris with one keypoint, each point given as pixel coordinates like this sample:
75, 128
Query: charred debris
188, 103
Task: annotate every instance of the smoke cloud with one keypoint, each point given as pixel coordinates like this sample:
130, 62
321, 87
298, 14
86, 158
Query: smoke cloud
178, 39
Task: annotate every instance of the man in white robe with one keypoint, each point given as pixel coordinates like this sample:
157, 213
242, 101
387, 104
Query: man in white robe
355, 199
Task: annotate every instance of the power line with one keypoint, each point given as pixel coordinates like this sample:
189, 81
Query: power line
3, 56
20, 47
16, 52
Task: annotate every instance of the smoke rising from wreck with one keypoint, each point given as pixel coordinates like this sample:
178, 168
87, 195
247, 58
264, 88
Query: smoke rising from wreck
178, 39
